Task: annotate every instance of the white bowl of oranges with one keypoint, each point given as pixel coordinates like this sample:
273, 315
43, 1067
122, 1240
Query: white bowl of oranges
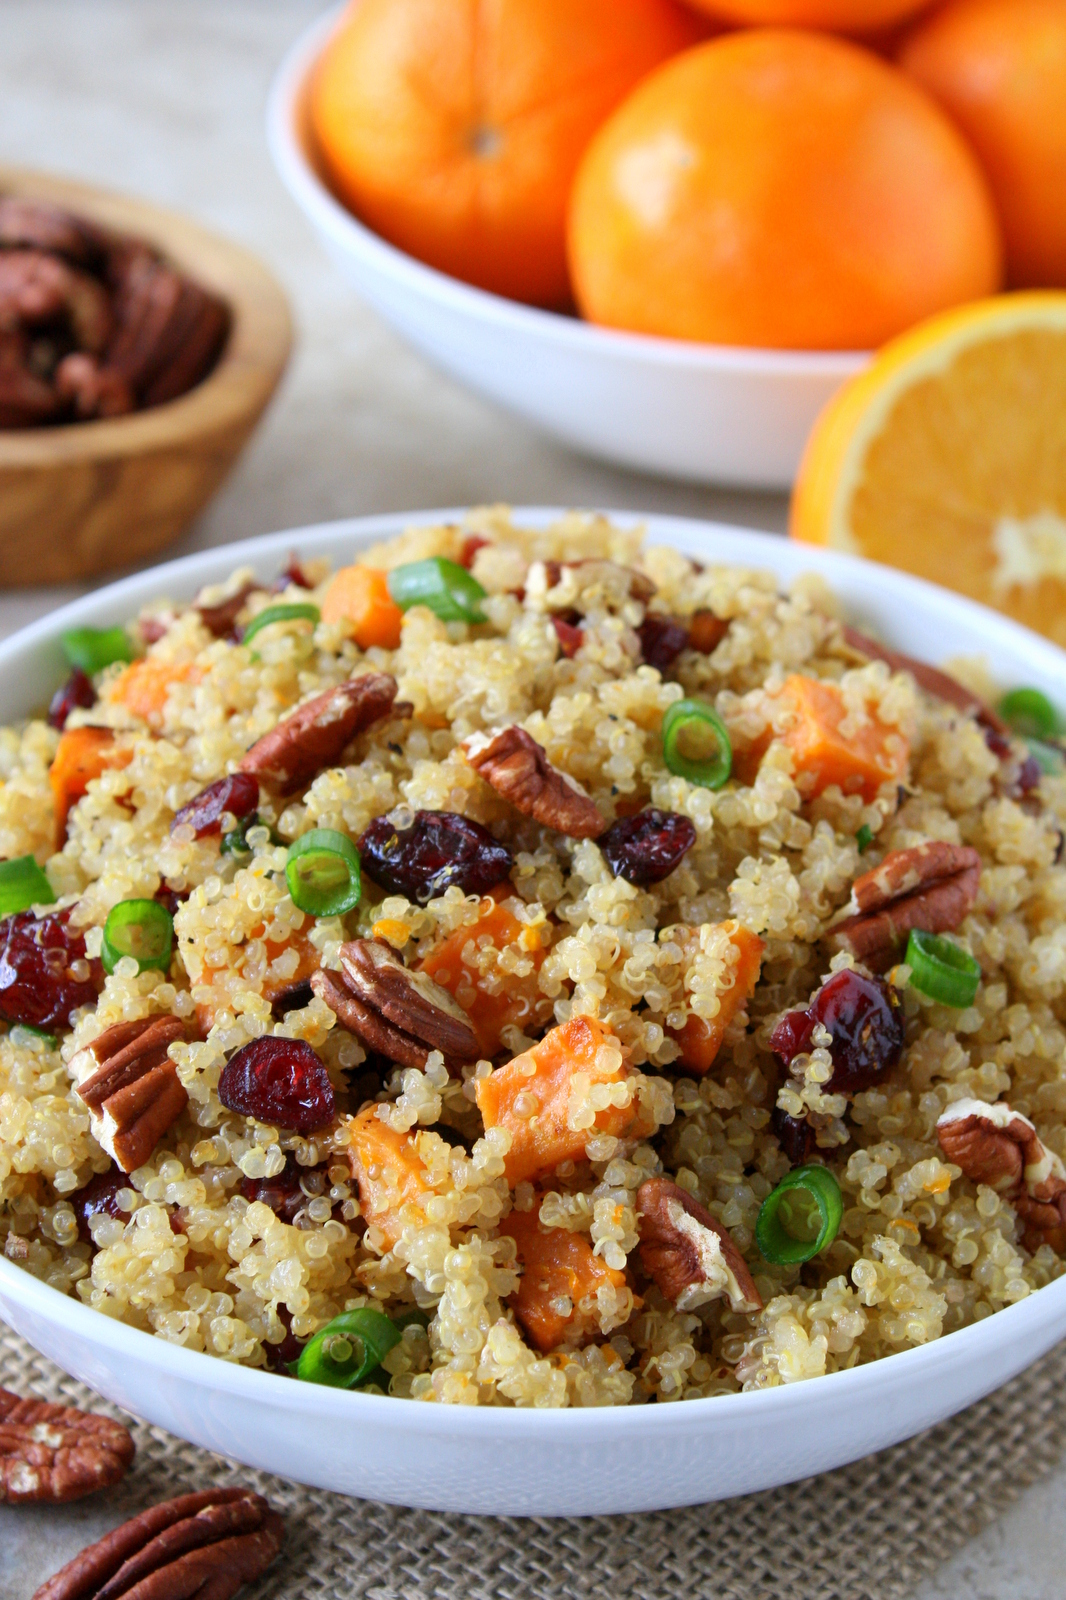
665, 238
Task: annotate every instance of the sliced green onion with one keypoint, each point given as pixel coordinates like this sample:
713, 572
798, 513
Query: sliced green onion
1030, 713
864, 838
235, 843
347, 1350
142, 929
444, 586
322, 871
26, 1033
1050, 758
801, 1217
304, 611
942, 970
696, 745
93, 649
22, 885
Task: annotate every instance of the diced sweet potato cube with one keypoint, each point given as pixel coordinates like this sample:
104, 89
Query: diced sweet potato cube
550, 1098
859, 760
388, 1174
360, 595
558, 1266
81, 755
143, 686
309, 959
701, 1037
517, 1001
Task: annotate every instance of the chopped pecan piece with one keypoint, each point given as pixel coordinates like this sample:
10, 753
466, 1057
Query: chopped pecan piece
930, 886
997, 1146
400, 1013
547, 575
931, 679
516, 766
290, 755
690, 1256
200, 1545
131, 1087
57, 1453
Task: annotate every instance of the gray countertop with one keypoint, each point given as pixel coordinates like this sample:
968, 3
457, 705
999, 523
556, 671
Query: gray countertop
165, 99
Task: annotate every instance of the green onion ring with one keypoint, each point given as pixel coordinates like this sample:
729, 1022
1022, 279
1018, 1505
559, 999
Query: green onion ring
142, 929
368, 1335
21, 1029
93, 649
1030, 713
302, 612
235, 843
690, 716
22, 885
801, 1217
864, 838
322, 871
942, 970
444, 586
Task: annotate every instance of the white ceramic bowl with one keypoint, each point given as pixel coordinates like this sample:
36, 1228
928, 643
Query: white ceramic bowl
523, 1462
708, 413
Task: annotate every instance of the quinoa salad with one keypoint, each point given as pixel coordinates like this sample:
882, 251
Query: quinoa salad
529, 968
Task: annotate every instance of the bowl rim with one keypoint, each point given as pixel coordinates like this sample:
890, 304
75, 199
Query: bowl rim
241, 381
306, 185
961, 1347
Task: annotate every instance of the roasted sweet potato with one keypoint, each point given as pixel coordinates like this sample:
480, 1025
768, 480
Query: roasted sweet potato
860, 760
388, 1174
701, 1038
361, 595
310, 959
542, 1097
143, 686
557, 1267
518, 1001
81, 755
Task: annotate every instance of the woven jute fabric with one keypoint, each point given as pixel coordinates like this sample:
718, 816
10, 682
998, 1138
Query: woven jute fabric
870, 1531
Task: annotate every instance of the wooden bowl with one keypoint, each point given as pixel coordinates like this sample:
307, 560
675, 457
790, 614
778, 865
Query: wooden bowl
88, 497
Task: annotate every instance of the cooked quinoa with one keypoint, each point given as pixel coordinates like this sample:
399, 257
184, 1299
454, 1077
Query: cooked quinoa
186, 1250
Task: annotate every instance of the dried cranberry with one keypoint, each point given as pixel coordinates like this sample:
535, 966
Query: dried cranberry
35, 982
279, 1357
996, 741
171, 898
570, 638
237, 794
864, 1018
662, 640
471, 546
646, 848
282, 1193
294, 998
77, 692
293, 577
1029, 776
152, 629
794, 1134
221, 620
440, 849
279, 1081
99, 1194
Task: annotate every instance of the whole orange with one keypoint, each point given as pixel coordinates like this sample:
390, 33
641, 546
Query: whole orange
454, 127
999, 68
781, 189
845, 16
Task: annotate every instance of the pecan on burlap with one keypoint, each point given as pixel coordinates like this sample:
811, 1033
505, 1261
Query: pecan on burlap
197, 1547
131, 1087
929, 886
57, 1453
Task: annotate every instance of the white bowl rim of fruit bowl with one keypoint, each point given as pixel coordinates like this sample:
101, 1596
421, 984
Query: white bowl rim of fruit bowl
702, 413
767, 1437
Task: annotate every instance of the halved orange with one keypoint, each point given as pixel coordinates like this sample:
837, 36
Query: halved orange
946, 457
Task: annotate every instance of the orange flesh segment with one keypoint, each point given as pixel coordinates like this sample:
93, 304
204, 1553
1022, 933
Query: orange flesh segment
360, 595
143, 686
388, 1173
859, 760
542, 1139
701, 1038
81, 755
517, 1001
556, 1263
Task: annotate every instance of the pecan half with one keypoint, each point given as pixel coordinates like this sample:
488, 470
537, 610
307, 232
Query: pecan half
36, 288
131, 1087
36, 225
939, 684
997, 1146
690, 1256
930, 886
516, 766
312, 738
400, 1013
57, 1453
197, 1547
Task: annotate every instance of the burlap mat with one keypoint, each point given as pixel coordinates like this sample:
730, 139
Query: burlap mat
871, 1531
